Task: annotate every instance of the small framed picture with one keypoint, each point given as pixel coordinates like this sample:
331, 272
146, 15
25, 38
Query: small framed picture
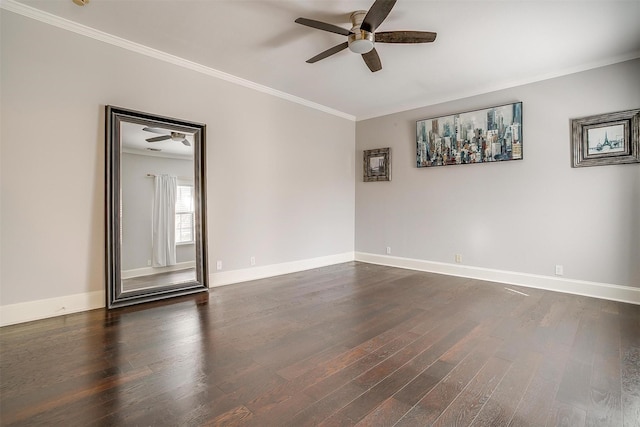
606, 139
377, 165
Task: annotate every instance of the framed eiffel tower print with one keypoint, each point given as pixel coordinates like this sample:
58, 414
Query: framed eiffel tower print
606, 139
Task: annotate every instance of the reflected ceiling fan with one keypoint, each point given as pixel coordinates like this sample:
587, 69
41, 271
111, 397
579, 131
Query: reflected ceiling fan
362, 36
174, 136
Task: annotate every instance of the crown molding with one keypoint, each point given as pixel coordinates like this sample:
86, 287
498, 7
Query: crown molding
65, 24
486, 89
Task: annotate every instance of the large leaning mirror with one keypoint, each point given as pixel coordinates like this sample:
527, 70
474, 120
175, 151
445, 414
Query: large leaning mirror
155, 194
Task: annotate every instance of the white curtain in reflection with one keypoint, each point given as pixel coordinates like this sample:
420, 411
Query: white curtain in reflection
164, 221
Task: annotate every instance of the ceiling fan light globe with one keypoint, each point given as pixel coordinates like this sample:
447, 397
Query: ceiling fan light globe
361, 42
361, 46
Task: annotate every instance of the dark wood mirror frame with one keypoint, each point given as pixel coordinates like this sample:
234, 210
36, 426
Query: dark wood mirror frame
116, 296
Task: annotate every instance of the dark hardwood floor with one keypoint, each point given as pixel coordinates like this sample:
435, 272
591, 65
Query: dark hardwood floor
351, 344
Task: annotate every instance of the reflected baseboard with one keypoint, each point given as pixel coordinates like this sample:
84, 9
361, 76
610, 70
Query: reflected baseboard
148, 271
158, 280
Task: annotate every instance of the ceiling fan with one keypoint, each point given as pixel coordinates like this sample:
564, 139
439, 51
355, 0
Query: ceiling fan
362, 36
174, 136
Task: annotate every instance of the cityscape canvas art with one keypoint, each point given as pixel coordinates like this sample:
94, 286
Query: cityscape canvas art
482, 136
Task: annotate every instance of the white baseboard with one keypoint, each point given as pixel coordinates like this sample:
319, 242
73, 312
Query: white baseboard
222, 278
51, 307
577, 287
147, 271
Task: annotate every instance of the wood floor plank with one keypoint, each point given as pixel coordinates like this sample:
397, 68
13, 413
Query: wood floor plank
630, 409
504, 400
435, 402
344, 376
566, 415
326, 369
423, 383
390, 376
386, 414
630, 363
574, 389
14, 411
328, 402
535, 406
464, 408
234, 417
302, 366
605, 405
537, 401
322, 409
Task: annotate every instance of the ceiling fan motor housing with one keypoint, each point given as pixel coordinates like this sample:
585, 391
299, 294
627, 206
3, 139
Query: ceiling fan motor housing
360, 41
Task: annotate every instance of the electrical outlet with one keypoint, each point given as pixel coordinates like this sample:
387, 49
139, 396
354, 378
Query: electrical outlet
388, 250
559, 270
148, 263
458, 258
219, 265
253, 260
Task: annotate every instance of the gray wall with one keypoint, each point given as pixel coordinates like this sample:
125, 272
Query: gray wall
280, 174
282, 178
521, 216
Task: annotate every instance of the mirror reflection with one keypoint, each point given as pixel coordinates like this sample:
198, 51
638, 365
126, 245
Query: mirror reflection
157, 212
156, 246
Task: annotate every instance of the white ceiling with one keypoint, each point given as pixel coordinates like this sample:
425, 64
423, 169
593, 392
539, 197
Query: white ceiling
481, 45
134, 140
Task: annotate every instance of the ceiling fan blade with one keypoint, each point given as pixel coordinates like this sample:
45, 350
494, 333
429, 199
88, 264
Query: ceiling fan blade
322, 26
377, 13
328, 52
372, 60
155, 130
158, 138
187, 143
405, 37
